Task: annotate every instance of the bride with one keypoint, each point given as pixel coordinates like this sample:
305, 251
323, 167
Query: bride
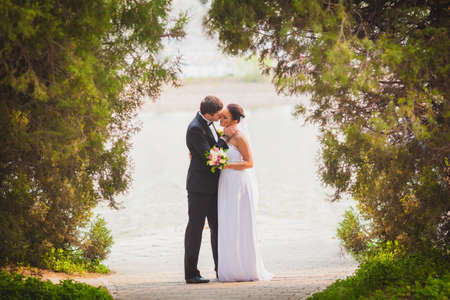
239, 258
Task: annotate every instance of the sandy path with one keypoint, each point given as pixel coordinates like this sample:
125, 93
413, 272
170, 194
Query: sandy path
298, 285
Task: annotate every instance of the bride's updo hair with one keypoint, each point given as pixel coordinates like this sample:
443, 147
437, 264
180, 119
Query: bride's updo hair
236, 112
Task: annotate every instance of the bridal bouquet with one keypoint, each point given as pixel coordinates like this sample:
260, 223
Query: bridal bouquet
217, 158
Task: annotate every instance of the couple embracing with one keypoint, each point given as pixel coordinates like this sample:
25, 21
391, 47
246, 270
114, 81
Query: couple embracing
226, 198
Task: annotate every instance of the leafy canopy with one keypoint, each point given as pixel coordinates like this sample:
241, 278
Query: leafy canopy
72, 76
378, 75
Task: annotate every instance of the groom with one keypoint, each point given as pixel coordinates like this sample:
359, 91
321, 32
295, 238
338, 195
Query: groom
201, 184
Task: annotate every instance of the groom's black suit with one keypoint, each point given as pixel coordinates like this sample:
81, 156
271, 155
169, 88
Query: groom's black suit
201, 185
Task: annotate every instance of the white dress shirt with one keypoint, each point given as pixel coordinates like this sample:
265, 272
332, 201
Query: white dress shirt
216, 138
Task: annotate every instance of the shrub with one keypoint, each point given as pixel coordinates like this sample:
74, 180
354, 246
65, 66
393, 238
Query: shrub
352, 233
391, 273
15, 286
95, 248
98, 242
70, 262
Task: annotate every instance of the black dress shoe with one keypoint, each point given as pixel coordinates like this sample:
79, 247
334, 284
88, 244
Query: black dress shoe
197, 279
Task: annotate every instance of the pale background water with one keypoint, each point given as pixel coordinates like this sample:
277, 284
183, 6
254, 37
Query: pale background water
201, 55
296, 224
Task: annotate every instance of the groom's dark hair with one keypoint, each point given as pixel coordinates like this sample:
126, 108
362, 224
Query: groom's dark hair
210, 105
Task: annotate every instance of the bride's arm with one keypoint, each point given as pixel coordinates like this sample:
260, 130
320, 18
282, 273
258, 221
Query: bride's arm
247, 158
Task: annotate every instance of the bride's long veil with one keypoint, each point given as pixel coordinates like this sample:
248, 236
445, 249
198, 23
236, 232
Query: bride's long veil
243, 128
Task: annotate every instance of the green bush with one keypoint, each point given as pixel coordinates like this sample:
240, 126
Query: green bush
70, 262
391, 273
14, 286
98, 241
94, 249
352, 234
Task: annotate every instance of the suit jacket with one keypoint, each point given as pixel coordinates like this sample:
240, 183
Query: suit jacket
199, 140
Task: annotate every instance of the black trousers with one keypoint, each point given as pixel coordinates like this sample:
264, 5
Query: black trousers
200, 207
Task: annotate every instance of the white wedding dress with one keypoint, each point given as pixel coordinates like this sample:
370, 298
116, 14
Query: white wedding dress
239, 258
